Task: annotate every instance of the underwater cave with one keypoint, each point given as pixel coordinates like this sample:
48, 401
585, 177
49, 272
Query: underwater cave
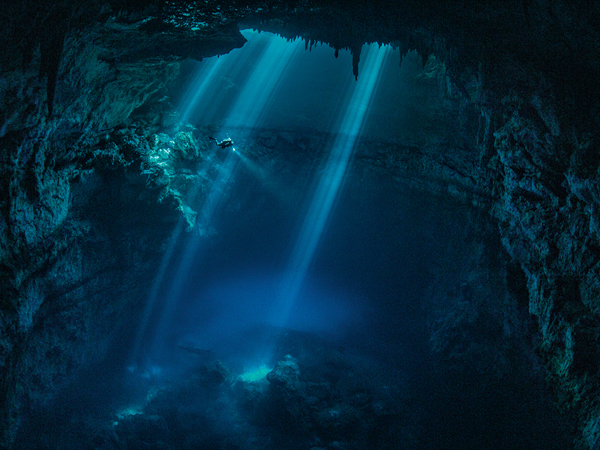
299, 225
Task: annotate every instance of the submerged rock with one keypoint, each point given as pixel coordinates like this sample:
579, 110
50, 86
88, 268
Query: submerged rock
285, 376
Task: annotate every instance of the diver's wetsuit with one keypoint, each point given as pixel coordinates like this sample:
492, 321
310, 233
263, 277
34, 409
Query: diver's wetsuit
224, 143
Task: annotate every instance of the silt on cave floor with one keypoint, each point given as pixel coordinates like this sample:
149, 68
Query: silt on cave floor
378, 229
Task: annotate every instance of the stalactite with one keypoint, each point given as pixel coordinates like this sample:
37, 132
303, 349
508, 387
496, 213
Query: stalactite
355, 50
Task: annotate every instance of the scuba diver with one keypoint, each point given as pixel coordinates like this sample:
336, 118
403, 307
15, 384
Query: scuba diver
224, 143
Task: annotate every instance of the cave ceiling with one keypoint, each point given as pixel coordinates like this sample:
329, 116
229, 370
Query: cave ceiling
514, 48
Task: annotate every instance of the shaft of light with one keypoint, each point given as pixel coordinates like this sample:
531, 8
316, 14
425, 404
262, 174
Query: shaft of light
262, 84
331, 180
203, 81
151, 302
211, 202
168, 259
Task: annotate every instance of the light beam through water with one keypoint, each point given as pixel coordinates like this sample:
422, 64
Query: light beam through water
331, 179
153, 298
274, 57
210, 204
257, 93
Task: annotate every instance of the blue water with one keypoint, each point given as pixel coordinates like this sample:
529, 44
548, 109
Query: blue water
290, 88
271, 83
311, 260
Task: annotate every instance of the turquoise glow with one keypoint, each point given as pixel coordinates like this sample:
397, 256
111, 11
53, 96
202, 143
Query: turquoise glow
260, 87
200, 86
233, 95
255, 374
271, 60
331, 178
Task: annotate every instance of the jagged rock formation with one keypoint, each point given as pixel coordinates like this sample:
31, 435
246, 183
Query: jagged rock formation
73, 75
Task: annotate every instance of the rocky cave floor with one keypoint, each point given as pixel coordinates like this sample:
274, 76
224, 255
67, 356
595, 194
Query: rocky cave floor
319, 394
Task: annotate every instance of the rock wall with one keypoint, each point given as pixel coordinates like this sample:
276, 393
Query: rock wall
75, 172
546, 209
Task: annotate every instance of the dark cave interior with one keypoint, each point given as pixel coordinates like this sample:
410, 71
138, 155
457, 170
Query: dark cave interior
299, 224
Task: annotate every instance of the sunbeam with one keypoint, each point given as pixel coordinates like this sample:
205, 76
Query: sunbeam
331, 179
213, 84
265, 64
153, 301
210, 203
200, 87
246, 111
273, 58
262, 84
